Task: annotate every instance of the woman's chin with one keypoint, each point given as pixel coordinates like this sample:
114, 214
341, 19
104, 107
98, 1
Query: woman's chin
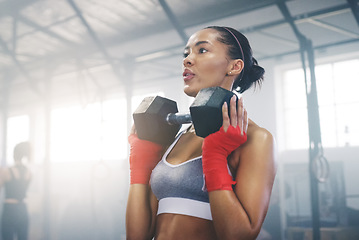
190, 91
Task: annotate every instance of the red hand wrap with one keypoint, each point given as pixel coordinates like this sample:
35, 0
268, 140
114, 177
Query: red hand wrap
144, 156
215, 150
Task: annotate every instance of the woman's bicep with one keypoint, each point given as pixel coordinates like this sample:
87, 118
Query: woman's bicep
140, 220
154, 208
255, 175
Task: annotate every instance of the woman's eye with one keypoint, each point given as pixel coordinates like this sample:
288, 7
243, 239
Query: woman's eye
202, 50
185, 54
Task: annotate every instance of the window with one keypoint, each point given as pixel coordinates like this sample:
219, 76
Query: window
95, 132
338, 100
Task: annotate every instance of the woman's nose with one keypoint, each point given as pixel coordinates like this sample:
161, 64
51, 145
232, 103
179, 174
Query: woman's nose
187, 61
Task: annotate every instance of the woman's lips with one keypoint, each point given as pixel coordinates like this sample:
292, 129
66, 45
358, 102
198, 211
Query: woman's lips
188, 75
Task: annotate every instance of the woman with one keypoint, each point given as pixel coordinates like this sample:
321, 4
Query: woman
237, 162
16, 179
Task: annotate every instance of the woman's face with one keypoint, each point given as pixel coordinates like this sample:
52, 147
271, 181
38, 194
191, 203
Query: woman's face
206, 63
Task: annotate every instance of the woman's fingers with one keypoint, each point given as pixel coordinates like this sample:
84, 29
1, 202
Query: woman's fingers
226, 121
245, 122
234, 118
133, 129
237, 116
242, 116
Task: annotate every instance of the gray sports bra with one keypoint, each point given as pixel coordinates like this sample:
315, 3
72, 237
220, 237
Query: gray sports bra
180, 188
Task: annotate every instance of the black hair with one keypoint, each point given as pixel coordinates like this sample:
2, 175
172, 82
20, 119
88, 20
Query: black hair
21, 150
252, 73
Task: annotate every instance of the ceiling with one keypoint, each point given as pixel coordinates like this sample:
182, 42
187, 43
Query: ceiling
114, 43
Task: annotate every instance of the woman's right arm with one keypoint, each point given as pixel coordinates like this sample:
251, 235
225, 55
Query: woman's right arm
141, 204
141, 212
4, 176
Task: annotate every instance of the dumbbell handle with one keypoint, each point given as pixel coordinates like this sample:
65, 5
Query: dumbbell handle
178, 118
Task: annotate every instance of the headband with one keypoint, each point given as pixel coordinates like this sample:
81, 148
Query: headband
240, 47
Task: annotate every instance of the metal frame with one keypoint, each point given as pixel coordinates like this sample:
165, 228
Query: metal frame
173, 20
354, 6
180, 23
315, 142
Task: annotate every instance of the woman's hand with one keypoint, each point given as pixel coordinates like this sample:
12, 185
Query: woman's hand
133, 129
144, 156
238, 115
141, 204
217, 146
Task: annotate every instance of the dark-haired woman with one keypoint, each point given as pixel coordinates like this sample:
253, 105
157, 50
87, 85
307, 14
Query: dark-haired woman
213, 188
16, 179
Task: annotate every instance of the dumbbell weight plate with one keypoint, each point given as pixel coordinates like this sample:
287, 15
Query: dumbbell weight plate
206, 110
150, 120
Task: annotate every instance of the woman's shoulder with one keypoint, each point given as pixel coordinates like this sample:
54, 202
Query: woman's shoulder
258, 134
260, 142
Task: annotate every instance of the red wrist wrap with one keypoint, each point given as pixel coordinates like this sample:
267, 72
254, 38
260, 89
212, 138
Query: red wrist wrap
215, 150
144, 156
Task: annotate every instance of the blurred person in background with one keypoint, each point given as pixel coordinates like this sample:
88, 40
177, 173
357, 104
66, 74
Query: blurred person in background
15, 181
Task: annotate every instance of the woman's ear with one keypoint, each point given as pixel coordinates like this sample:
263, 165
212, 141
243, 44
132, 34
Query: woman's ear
237, 66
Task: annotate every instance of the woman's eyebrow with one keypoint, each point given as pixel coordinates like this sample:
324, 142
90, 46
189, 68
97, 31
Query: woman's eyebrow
197, 43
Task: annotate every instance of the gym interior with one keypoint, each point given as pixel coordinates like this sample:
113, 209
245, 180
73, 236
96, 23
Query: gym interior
72, 72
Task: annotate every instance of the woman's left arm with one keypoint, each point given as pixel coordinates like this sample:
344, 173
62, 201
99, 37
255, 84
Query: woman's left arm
4, 176
239, 214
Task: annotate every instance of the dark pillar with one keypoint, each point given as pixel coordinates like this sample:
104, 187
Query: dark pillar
316, 158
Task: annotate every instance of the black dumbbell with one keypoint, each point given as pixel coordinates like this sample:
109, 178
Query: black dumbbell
157, 118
